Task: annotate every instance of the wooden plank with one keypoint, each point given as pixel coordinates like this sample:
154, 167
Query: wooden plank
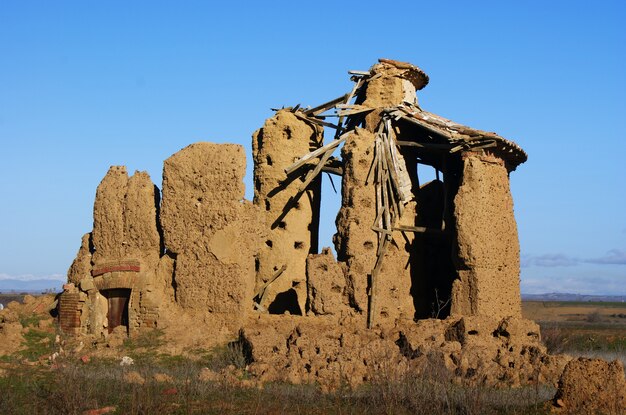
310, 156
364, 73
373, 291
349, 112
315, 120
333, 166
425, 126
261, 292
430, 146
313, 173
325, 106
381, 230
416, 229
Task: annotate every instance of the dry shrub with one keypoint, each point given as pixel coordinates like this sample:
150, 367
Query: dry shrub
554, 338
594, 317
434, 390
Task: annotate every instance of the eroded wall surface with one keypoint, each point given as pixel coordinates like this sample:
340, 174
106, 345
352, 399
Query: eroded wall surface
357, 243
488, 247
122, 251
209, 229
292, 225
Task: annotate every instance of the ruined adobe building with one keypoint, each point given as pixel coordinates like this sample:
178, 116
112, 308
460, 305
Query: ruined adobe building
425, 271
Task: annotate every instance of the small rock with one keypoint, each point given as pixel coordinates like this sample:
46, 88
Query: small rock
127, 361
85, 359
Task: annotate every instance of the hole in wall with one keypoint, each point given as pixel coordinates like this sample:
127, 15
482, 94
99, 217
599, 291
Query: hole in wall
298, 244
267, 205
269, 243
269, 160
368, 245
285, 302
282, 225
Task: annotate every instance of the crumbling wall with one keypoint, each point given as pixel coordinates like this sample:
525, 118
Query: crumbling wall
326, 282
357, 243
81, 266
209, 229
488, 247
331, 353
292, 225
125, 218
592, 386
122, 251
389, 86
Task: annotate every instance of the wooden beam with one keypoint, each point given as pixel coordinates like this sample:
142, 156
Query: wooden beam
429, 146
417, 229
310, 156
315, 120
261, 292
325, 106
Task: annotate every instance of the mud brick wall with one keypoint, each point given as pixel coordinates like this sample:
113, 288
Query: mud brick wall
81, 266
209, 229
293, 234
357, 243
488, 247
70, 306
125, 218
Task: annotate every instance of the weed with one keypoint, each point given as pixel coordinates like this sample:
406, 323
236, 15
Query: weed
37, 343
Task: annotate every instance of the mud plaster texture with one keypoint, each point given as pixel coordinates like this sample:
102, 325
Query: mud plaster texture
592, 386
291, 224
390, 87
476, 350
488, 246
209, 229
126, 240
357, 243
327, 285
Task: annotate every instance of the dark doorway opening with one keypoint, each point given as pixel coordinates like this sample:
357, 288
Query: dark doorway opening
117, 314
435, 178
285, 302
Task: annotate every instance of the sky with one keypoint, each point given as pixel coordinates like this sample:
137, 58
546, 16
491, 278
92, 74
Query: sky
86, 85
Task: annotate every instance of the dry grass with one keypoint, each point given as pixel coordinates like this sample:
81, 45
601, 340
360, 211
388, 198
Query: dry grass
72, 387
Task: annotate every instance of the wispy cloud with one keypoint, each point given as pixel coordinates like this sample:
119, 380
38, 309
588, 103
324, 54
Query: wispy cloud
548, 260
614, 256
550, 281
31, 277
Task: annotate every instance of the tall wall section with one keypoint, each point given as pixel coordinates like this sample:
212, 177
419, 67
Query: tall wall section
210, 230
122, 252
356, 242
488, 246
292, 225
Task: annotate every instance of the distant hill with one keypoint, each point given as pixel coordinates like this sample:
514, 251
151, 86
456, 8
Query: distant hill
30, 286
573, 297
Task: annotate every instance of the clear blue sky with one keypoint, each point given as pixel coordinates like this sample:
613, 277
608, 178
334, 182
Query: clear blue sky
85, 85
